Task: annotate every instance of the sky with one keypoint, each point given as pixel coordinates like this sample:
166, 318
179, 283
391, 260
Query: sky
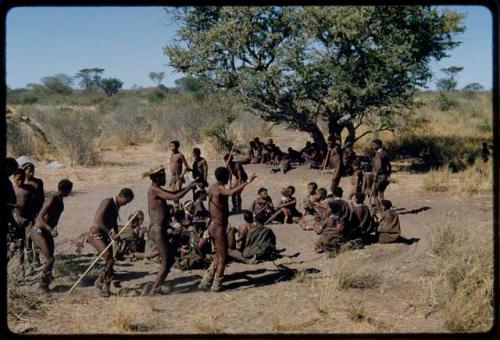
128, 43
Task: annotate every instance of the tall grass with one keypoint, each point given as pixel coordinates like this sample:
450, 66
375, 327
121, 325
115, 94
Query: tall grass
463, 287
475, 179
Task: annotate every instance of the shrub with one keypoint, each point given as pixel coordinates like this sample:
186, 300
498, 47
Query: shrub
437, 180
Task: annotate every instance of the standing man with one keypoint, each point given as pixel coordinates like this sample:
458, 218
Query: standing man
219, 215
336, 162
160, 219
38, 199
199, 169
9, 167
381, 170
23, 214
106, 220
45, 230
178, 167
237, 176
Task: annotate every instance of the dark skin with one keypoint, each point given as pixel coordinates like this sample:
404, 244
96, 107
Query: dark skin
219, 213
336, 164
47, 219
356, 181
159, 214
178, 164
37, 185
381, 166
24, 197
105, 220
200, 167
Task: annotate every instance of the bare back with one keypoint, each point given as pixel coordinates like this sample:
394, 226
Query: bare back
218, 204
157, 207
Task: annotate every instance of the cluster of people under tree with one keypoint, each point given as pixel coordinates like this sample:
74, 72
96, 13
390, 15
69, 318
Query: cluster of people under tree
187, 232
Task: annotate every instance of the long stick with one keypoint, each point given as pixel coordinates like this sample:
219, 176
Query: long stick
234, 144
326, 160
105, 249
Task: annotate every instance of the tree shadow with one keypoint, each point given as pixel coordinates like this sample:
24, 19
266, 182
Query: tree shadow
125, 276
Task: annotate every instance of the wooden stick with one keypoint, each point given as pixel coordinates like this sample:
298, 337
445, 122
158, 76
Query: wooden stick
326, 161
232, 148
105, 249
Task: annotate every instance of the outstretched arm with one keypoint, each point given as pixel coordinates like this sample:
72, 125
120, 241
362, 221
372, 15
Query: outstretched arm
174, 195
239, 188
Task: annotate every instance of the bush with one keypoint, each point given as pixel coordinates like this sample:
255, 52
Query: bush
73, 133
127, 125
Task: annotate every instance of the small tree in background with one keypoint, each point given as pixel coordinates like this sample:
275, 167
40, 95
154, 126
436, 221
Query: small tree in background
473, 87
449, 83
90, 78
110, 86
157, 77
59, 83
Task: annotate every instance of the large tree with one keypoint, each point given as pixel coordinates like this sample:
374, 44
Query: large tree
90, 78
347, 66
110, 86
59, 83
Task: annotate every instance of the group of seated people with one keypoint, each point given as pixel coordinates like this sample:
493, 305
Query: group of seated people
351, 223
248, 242
310, 155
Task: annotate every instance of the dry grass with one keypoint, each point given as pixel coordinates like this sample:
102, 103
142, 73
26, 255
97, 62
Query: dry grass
475, 179
357, 312
348, 274
132, 314
437, 180
463, 288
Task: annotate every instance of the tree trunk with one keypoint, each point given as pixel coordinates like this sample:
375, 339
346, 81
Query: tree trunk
318, 137
335, 129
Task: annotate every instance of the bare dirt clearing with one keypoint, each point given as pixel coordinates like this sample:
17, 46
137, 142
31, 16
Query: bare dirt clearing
299, 293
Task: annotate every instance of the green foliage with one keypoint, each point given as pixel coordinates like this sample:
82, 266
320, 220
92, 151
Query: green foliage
473, 87
298, 65
445, 101
157, 77
449, 83
218, 130
59, 83
90, 78
110, 86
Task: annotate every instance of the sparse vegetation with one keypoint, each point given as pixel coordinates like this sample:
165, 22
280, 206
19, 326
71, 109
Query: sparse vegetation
462, 289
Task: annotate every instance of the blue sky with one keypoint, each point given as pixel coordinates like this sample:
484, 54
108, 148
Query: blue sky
128, 43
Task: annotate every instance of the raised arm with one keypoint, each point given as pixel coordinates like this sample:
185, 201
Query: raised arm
40, 220
174, 195
239, 188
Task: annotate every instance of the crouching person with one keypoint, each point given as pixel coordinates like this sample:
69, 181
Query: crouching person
255, 242
389, 229
331, 231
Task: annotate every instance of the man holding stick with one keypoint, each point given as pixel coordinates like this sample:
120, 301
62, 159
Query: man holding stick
105, 221
219, 214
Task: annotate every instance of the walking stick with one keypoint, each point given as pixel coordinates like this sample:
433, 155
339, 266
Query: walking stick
326, 161
234, 145
99, 256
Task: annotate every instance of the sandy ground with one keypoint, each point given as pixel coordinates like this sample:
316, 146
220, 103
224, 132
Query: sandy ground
292, 294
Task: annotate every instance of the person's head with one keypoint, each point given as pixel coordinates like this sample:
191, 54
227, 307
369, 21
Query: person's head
376, 144
196, 152
29, 169
159, 177
260, 218
256, 140
485, 145
322, 193
291, 188
189, 206
270, 141
179, 215
228, 157
356, 164
338, 192
222, 175
19, 176
174, 145
65, 187
387, 204
138, 219
335, 208
125, 196
10, 166
247, 216
263, 192
285, 192
308, 144
312, 187
360, 198
252, 144
200, 194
